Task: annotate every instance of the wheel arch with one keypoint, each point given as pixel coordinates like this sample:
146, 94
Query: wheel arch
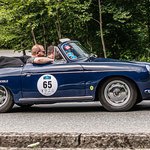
120, 76
7, 101
9, 91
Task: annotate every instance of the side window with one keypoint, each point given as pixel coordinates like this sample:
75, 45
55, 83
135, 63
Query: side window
58, 57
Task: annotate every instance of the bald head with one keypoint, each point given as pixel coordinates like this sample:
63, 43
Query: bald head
38, 51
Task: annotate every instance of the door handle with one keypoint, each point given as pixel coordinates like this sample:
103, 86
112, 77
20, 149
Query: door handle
28, 74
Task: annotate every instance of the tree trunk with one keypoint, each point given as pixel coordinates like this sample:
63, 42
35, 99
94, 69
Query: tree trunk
24, 52
88, 43
148, 22
58, 28
101, 28
33, 35
44, 39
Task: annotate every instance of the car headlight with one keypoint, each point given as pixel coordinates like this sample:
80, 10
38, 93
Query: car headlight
148, 68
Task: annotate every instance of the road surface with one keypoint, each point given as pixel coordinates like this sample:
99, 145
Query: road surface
76, 117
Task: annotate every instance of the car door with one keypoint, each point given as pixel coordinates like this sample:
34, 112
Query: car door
52, 80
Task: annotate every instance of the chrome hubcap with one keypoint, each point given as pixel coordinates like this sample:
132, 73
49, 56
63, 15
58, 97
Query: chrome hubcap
3, 95
117, 93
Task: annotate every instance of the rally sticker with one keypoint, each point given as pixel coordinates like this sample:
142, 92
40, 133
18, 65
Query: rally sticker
47, 85
67, 47
3, 81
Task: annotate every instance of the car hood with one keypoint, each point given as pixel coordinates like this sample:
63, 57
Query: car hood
116, 60
107, 65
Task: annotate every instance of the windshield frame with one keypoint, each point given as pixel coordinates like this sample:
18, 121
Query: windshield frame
83, 48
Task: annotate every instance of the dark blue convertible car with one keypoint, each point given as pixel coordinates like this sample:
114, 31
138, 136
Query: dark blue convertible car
75, 76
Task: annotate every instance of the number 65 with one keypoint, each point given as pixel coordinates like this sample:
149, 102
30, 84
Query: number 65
47, 84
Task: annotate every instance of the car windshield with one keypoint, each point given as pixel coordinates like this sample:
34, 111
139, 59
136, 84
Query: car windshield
75, 51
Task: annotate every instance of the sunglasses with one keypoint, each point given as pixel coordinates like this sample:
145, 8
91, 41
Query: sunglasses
41, 51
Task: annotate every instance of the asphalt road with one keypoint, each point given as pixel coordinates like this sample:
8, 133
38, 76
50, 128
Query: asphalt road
77, 117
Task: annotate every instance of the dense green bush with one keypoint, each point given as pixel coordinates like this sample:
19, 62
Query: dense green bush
126, 25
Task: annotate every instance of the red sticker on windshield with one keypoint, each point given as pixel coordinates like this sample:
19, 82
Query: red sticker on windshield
67, 47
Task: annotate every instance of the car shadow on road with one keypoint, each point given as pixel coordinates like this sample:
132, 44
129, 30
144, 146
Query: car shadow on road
143, 106
69, 108
60, 108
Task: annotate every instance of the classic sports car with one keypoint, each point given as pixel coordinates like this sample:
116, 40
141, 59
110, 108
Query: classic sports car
75, 76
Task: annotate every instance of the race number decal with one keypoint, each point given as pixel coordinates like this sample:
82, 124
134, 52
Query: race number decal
47, 85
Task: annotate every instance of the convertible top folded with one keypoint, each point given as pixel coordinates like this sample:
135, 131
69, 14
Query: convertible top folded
6, 62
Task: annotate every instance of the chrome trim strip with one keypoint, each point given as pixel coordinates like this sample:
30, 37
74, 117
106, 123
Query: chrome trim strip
108, 70
32, 73
11, 75
57, 66
57, 98
49, 72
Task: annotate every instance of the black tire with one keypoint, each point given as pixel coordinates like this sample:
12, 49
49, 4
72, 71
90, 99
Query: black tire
24, 105
6, 100
117, 94
139, 100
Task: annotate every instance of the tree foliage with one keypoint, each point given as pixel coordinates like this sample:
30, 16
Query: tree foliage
126, 25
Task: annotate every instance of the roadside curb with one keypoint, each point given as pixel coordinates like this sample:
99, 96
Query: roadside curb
75, 140
6, 148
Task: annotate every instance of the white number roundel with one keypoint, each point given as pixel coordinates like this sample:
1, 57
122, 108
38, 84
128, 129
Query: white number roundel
47, 85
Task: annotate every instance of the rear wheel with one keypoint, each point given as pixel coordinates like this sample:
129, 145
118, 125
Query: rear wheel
117, 94
6, 100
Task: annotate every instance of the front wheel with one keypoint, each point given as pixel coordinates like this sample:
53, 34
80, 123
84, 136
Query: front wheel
117, 94
6, 100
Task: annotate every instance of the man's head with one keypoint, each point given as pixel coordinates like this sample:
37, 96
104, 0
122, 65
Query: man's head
38, 51
50, 52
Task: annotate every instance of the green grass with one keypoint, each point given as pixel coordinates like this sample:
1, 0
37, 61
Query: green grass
5, 49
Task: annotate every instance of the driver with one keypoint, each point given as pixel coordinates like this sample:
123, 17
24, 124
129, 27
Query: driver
38, 55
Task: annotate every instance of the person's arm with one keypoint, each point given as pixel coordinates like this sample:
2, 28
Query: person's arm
42, 60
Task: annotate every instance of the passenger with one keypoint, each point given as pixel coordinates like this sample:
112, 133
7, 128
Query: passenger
50, 53
38, 55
